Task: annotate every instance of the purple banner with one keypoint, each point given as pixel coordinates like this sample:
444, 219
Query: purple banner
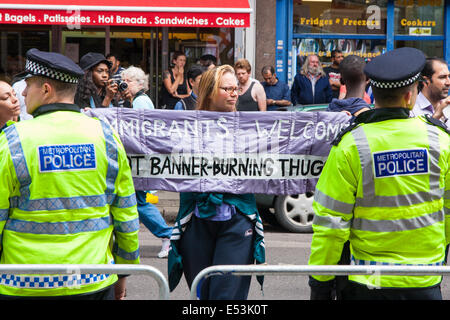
233, 152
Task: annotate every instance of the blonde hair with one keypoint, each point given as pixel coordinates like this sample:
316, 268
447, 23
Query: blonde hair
209, 85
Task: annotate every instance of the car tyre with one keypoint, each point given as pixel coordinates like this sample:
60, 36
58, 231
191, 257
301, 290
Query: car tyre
294, 212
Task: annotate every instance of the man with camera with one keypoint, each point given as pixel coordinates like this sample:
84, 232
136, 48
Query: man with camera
116, 70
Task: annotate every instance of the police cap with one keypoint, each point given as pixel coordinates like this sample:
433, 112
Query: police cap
51, 65
395, 69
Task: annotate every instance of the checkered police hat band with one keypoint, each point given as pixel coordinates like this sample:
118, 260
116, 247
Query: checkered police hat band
38, 69
394, 84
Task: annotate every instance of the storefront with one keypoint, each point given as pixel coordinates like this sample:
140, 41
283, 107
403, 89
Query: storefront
362, 27
143, 33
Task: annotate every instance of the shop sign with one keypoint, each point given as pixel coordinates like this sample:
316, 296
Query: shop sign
420, 31
365, 19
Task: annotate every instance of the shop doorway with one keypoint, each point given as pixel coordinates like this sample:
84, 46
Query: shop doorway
134, 48
150, 48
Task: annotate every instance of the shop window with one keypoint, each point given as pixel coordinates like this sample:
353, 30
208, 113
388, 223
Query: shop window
197, 42
323, 47
429, 48
419, 17
338, 16
13, 47
77, 44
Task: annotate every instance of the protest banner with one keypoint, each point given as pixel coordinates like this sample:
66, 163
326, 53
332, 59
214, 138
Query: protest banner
232, 152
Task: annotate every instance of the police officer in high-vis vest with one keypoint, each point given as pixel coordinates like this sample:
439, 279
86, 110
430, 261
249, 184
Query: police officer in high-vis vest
66, 192
385, 188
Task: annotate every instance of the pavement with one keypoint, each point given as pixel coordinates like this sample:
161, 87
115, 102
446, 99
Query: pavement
168, 203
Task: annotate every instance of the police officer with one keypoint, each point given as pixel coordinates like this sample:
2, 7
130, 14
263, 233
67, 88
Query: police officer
385, 188
66, 192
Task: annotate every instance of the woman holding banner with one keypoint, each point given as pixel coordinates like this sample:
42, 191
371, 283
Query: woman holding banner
216, 228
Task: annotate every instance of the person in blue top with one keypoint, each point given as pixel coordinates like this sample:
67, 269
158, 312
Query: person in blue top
216, 228
278, 93
193, 75
311, 85
137, 82
9, 105
354, 78
149, 214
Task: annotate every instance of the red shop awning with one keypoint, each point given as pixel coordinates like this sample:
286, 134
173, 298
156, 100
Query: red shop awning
150, 13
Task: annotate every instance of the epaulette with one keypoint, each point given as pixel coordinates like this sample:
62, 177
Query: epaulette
338, 138
437, 123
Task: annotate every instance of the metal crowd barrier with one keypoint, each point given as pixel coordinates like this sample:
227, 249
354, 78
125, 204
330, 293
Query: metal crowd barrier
90, 268
339, 270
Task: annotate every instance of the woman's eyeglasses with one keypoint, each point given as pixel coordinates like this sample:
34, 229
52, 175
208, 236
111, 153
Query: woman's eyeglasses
230, 90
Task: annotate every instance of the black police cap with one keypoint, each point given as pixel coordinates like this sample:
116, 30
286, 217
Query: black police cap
396, 69
92, 59
52, 65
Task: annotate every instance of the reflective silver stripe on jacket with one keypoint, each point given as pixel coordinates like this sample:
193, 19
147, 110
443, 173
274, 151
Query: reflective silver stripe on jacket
125, 254
399, 224
331, 222
69, 203
112, 155
333, 204
19, 161
369, 198
4, 214
360, 262
23, 202
66, 227
71, 227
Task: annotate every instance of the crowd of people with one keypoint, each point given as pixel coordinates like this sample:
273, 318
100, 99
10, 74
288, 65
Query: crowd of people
226, 228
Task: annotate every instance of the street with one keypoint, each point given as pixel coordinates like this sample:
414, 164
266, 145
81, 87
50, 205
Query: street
281, 248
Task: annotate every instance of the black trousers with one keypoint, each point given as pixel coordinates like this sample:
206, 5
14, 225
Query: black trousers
355, 291
206, 243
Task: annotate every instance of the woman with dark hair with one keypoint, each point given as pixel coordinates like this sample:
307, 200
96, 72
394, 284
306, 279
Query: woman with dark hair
174, 85
96, 89
216, 228
9, 105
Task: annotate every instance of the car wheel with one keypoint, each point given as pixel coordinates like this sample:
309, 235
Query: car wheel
294, 212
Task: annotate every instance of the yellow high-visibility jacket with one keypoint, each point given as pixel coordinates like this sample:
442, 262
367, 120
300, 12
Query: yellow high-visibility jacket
66, 197
386, 188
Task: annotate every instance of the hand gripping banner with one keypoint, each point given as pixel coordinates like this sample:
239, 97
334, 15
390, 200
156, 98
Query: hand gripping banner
230, 152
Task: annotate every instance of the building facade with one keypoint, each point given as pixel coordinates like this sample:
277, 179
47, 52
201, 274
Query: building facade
363, 27
142, 33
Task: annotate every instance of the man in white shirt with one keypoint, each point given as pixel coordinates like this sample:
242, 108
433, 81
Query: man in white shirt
433, 98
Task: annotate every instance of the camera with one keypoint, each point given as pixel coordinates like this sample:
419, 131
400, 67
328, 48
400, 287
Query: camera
121, 85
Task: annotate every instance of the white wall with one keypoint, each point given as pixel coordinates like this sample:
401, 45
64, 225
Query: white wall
245, 40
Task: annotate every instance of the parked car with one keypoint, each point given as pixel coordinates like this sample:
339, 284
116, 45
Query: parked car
292, 212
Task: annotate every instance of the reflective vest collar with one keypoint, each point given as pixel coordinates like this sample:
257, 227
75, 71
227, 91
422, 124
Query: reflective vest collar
373, 115
52, 107
381, 114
